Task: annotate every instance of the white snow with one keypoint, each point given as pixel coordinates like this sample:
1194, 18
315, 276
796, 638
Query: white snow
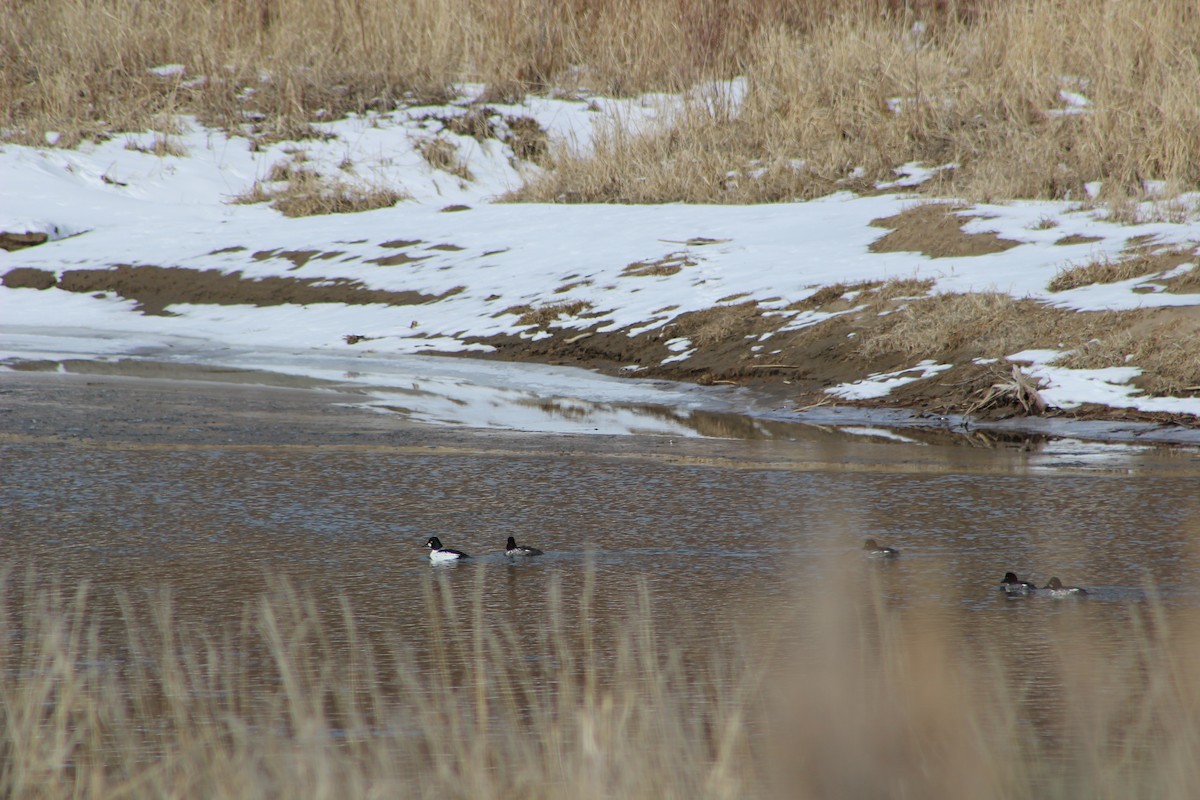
881, 384
116, 202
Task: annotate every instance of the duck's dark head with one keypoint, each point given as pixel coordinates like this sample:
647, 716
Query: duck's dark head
1010, 577
870, 544
1054, 583
434, 543
511, 544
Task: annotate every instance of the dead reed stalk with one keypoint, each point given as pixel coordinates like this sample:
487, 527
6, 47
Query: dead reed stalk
852, 696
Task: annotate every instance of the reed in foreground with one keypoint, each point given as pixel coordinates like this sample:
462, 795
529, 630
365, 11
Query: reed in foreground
854, 698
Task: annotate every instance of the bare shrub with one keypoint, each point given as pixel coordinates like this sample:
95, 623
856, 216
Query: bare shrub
1012, 388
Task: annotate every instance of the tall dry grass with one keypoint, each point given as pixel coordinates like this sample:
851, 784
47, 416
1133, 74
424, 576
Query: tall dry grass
838, 93
79, 67
843, 104
858, 697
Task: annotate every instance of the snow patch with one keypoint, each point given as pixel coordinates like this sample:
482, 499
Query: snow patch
881, 384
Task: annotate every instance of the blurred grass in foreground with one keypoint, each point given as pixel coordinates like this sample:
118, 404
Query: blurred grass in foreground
854, 697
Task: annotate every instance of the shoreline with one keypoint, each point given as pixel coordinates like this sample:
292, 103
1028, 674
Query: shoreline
193, 404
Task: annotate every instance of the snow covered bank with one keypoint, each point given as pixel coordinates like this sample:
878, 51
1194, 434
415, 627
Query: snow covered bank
142, 245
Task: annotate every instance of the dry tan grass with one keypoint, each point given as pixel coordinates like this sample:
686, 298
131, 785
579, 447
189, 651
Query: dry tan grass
840, 296
542, 316
441, 154
845, 104
660, 267
719, 325
163, 145
308, 193
1108, 270
1163, 347
80, 66
838, 93
984, 324
856, 697
935, 229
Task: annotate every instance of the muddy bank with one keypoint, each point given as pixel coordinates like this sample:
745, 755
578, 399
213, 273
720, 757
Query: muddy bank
803, 353
855, 342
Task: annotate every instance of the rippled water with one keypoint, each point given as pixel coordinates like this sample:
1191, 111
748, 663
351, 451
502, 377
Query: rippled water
715, 533
214, 523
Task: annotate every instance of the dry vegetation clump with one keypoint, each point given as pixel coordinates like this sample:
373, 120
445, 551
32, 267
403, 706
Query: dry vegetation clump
860, 696
834, 293
1186, 283
954, 327
309, 193
1012, 389
542, 316
1163, 349
659, 267
441, 154
163, 145
719, 325
527, 138
1108, 270
877, 293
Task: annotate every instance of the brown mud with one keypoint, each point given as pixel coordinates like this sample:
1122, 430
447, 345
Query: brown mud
155, 289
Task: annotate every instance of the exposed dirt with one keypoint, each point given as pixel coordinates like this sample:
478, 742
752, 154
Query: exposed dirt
871, 328
935, 229
743, 345
11, 240
157, 288
28, 278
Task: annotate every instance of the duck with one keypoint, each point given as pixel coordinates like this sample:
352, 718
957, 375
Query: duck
512, 549
1056, 589
875, 551
439, 554
1013, 585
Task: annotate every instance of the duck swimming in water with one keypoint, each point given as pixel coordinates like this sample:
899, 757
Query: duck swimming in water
1014, 586
512, 549
439, 554
1055, 588
875, 551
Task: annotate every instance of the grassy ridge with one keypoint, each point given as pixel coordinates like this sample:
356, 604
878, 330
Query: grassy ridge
838, 93
856, 698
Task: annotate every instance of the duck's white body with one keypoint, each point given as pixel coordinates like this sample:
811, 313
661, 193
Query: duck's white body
441, 555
